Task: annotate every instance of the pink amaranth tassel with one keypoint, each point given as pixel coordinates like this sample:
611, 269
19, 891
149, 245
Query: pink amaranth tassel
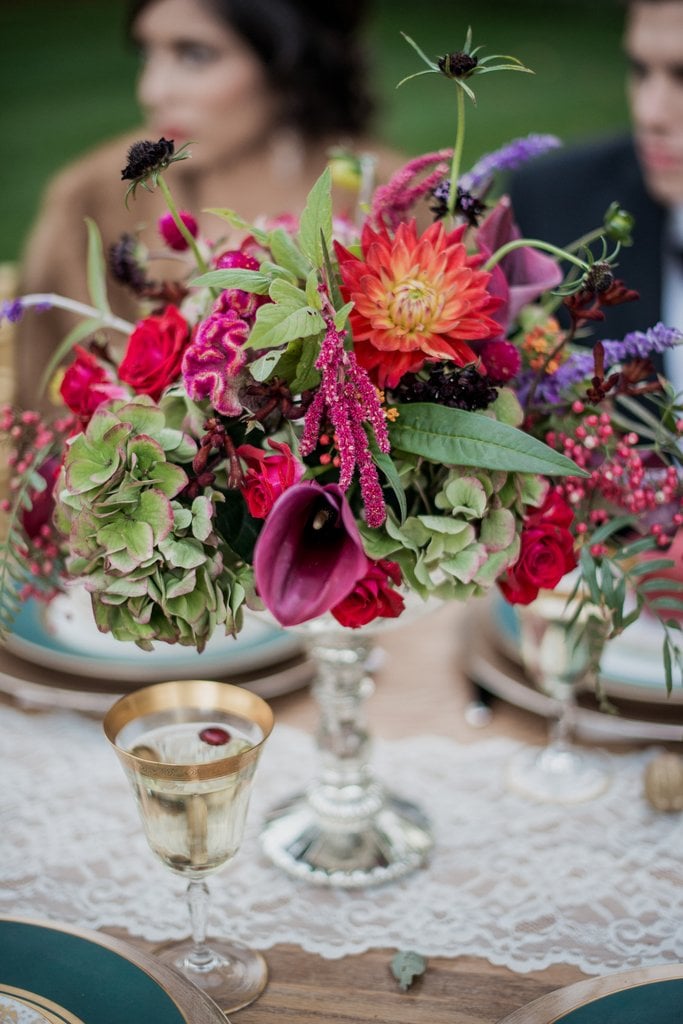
349, 399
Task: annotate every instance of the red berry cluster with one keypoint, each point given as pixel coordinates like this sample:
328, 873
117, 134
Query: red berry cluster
619, 478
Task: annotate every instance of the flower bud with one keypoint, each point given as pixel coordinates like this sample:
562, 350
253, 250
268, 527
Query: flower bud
457, 65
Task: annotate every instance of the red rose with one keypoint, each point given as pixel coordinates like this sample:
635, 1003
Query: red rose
86, 384
372, 597
154, 353
546, 555
267, 476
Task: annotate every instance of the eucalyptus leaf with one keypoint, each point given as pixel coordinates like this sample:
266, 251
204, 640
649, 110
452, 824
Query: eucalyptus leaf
406, 966
456, 437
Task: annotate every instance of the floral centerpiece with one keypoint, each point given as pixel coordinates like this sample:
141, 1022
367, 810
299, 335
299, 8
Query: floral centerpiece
324, 418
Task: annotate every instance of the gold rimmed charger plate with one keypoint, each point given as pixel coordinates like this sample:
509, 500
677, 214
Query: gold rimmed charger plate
17, 1006
32, 685
647, 995
77, 976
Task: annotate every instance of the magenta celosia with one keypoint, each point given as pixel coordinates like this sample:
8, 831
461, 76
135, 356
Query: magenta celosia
213, 360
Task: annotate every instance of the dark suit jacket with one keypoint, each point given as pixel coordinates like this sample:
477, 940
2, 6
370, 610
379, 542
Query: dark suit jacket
561, 196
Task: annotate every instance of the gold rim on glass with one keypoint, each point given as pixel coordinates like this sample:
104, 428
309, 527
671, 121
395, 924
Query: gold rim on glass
204, 696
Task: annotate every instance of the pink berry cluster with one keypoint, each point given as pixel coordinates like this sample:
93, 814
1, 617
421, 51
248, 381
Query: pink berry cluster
40, 550
620, 480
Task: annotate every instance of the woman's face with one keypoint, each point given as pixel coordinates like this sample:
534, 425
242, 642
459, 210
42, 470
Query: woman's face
201, 83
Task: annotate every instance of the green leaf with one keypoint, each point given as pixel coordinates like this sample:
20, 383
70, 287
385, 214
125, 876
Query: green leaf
287, 294
248, 280
96, 268
287, 254
666, 658
315, 226
459, 438
406, 966
650, 566
386, 466
342, 315
233, 218
79, 332
278, 325
430, 63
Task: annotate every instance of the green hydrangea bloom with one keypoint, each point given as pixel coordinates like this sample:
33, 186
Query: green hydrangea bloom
154, 566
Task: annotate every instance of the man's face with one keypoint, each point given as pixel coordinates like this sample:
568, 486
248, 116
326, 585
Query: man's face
654, 46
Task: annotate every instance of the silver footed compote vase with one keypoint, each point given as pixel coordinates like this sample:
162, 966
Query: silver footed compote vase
347, 829
561, 641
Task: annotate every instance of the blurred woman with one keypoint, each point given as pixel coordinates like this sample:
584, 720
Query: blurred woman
262, 89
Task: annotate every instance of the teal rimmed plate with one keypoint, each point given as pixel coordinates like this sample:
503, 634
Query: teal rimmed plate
62, 636
76, 976
647, 995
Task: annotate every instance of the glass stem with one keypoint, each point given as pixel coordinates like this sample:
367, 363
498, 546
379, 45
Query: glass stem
562, 726
200, 958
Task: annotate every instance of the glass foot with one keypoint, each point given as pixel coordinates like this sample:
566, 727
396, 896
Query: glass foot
344, 852
232, 974
563, 776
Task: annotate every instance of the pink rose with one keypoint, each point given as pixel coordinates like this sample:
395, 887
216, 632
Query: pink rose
267, 476
155, 352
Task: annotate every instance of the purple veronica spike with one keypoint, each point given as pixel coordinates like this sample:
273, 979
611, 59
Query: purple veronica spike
11, 310
507, 158
309, 554
580, 365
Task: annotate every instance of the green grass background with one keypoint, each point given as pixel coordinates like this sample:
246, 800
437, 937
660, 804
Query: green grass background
67, 81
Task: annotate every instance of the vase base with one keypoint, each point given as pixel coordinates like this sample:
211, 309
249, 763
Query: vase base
347, 854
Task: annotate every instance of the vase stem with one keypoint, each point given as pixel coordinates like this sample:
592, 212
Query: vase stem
346, 829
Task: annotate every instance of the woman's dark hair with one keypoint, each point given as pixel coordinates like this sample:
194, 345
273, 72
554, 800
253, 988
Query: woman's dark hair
312, 55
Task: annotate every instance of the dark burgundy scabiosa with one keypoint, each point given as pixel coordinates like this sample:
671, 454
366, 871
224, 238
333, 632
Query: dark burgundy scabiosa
467, 206
146, 157
146, 161
309, 554
123, 264
458, 388
457, 65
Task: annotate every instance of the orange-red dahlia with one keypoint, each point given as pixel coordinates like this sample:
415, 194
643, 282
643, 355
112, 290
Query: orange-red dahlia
415, 299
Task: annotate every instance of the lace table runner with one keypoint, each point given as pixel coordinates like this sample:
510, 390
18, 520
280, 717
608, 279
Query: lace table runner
598, 885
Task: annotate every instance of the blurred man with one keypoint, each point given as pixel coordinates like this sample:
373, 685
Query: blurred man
564, 195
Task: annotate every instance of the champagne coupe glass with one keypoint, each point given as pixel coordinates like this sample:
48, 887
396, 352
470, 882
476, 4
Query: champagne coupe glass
560, 643
190, 749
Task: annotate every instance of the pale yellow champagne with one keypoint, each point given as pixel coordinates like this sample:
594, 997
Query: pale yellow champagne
195, 826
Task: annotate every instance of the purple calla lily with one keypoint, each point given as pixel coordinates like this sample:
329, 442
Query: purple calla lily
309, 553
523, 274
